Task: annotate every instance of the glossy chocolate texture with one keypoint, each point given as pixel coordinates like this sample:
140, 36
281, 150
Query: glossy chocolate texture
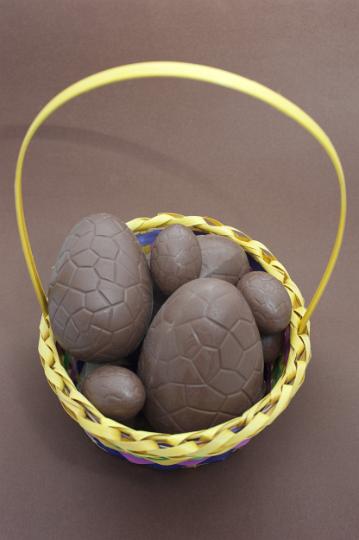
272, 347
202, 360
175, 258
115, 391
100, 294
222, 258
268, 300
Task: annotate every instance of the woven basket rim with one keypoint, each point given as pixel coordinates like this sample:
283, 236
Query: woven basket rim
174, 448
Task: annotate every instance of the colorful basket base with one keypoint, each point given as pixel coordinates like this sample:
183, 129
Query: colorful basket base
190, 464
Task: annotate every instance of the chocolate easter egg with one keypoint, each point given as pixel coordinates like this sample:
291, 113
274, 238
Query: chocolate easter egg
115, 391
175, 258
272, 347
268, 300
222, 258
89, 367
201, 360
100, 294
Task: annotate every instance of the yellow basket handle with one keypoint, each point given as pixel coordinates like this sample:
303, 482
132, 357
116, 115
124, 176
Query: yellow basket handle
185, 71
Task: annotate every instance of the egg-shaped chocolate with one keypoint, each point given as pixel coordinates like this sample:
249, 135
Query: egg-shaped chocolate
175, 258
100, 293
268, 300
222, 258
115, 391
201, 360
272, 345
89, 367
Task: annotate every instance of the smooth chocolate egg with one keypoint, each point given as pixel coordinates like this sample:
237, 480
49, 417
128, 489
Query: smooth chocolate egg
100, 294
201, 360
89, 367
222, 258
268, 300
272, 347
175, 258
115, 391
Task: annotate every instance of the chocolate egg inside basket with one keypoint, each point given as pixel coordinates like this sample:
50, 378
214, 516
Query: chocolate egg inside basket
189, 449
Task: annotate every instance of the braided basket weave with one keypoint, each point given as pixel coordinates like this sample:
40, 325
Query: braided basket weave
184, 449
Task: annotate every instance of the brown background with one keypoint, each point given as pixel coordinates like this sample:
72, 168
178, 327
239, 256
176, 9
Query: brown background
149, 146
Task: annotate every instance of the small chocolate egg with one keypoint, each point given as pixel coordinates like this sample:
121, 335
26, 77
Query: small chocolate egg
201, 361
272, 347
175, 258
115, 391
89, 367
268, 300
100, 294
222, 258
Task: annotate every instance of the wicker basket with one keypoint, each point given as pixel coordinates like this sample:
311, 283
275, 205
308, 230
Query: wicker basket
184, 449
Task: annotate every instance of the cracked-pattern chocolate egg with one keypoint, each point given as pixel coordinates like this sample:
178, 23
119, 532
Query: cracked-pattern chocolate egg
115, 391
175, 258
100, 293
268, 300
201, 360
222, 258
272, 347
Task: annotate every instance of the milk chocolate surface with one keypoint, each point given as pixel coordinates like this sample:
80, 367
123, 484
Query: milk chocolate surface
268, 300
222, 258
100, 294
175, 258
115, 391
201, 361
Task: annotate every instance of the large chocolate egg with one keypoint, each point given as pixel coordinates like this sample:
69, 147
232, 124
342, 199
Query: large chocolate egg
115, 391
175, 258
100, 294
268, 299
222, 258
201, 360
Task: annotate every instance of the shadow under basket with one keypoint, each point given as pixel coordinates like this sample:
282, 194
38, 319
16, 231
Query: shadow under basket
185, 449
199, 447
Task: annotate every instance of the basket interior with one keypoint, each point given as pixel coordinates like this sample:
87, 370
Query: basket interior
161, 450
74, 367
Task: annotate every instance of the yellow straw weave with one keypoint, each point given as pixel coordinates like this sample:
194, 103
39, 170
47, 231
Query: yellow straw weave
176, 449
